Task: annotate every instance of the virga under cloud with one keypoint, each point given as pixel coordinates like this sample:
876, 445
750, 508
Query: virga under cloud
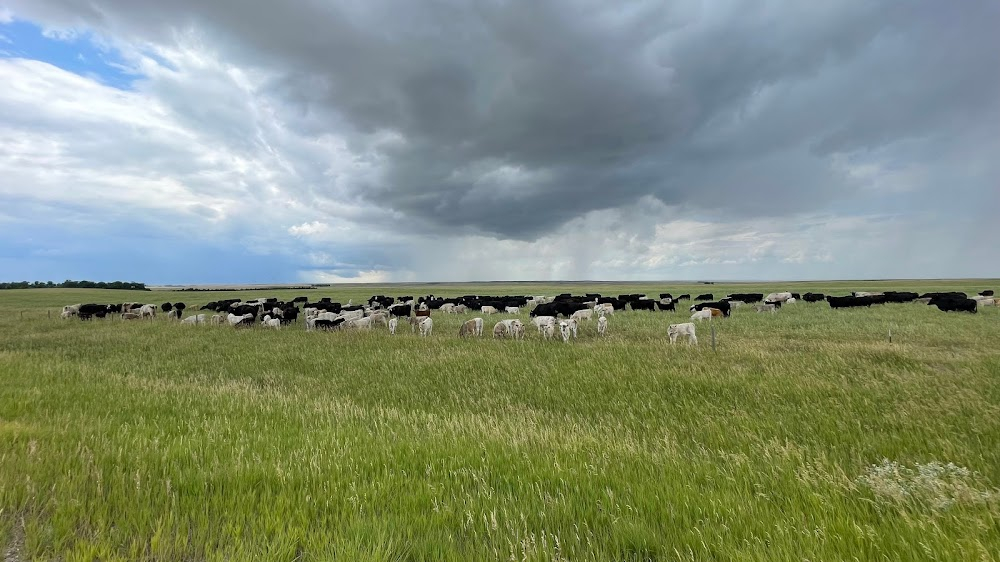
472, 140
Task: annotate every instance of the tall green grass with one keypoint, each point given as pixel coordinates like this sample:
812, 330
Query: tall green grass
156, 441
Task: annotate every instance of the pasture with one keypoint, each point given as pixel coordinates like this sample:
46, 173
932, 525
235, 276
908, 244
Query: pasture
149, 440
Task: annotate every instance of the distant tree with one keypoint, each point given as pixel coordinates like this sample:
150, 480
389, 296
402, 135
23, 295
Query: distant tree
70, 284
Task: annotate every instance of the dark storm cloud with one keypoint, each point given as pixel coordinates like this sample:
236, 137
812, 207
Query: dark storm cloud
514, 117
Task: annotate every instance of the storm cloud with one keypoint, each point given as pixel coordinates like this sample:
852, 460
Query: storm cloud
457, 124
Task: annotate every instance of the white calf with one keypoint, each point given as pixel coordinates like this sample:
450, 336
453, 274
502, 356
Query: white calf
584, 314
703, 314
269, 322
791, 300
448, 308
766, 308
460, 309
602, 325
606, 308
500, 330
218, 319
542, 321
512, 310
426, 325
234, 319
573, 325
195, 319
564, 331
488, 310
147, 310
479, 326
548, 330
778, 297
685, 329
517, 330
392, 325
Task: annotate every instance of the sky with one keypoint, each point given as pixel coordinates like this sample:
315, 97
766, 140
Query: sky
231, 141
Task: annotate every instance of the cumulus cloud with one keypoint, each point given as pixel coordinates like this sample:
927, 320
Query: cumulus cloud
499, 140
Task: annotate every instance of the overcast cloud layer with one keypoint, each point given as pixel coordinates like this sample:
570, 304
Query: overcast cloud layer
227, 141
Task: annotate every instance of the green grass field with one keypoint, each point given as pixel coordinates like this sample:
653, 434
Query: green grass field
156, 441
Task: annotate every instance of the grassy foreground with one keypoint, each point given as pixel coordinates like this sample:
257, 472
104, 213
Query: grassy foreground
155, 441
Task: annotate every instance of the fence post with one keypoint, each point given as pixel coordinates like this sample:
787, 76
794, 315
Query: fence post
49, 313
711, 324
890, 335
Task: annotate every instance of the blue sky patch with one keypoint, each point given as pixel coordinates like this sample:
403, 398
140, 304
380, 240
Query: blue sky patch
80, 53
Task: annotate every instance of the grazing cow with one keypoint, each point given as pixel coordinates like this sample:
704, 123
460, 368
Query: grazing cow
684, 297
573, 326
703, 314
468, 328
512, 310
166, 307
813, 297
194, 319
564, 331
500, 330
716, 313
448, 307
325, 325
643, 304
130, 316
986, 293
686, 329
218, 319
986, 302
664, 306
542, 321
778, 297
955, 304
790, 301
392, 326
604, 308
426, 325
147, 310
705, 297
235, 319
602, 325
722, 305
770, 307
852, 301
582, 315
269, 322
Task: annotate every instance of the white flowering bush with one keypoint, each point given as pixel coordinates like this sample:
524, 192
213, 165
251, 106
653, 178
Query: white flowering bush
935, 485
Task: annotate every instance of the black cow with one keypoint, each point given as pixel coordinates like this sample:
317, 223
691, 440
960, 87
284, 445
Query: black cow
643, 304
705, 297
899, 297
402, 310
328, 324
813, 297
300, 299
953, 294
166, 307
722, 305
986, 293
179, 307
853, 302
671, 307
666, 296
948, 304
684, 297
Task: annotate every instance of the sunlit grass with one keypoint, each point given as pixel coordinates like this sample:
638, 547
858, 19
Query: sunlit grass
151, 440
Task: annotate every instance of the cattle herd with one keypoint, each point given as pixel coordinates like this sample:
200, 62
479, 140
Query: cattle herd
558, 316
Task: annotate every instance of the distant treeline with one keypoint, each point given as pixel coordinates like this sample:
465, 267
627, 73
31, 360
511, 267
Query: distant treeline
68, 284
230, 289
